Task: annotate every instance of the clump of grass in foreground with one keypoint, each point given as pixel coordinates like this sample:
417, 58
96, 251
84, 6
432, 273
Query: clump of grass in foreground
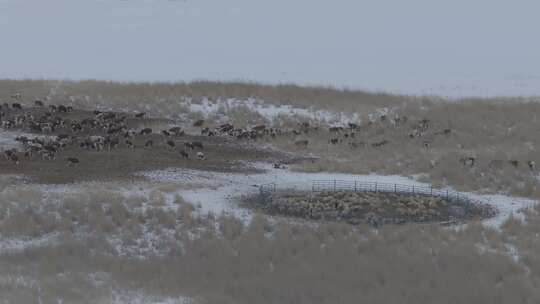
288, 263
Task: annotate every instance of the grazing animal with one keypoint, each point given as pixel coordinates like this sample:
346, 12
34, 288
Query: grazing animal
16, 106
532, 165
184, 154
16, 96
200, 156
259, 128
47, 155
468, 161
335, 129
46, 128
279, 165
334, 141
72, 161
353, 126
130, 134
426, 145
189, 145
60, 137
149, 143
146, 131
301, 143
9, 153
14, 158
355, 145
225, 128
62, 109
166, 133
112, 142
171, 144
130, 144
76, 127
176, 131
39, 103
379, 144
198, 123
444, 132
514, 163
140, 115
197, 144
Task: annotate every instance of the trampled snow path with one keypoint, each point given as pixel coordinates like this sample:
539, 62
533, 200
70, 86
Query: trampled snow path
218, 192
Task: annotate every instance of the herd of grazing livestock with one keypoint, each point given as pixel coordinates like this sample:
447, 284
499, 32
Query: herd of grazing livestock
109, 130
99, 131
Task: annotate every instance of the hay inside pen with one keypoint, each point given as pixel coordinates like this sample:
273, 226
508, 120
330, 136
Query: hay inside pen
375, 206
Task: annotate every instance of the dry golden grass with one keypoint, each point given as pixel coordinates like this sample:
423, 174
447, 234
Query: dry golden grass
486, 130
138, 243
113, 94
170, 253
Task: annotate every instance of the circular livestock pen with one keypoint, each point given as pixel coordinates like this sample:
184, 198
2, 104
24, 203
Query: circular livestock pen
369, 202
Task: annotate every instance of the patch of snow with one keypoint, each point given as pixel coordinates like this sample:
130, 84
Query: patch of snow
13, 245
7, 138
137, 297
271, 112
507, 206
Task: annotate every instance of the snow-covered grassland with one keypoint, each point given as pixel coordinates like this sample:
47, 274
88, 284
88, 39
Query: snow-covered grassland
488, 129
181, 236
74, 234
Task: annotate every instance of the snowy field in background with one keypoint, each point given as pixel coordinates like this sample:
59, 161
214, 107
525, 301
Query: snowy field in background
271, 112
452, 48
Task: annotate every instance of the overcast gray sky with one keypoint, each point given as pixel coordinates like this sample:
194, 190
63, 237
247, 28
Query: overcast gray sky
458, 47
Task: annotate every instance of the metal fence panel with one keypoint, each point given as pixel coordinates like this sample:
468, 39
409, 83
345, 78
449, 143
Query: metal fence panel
365, 186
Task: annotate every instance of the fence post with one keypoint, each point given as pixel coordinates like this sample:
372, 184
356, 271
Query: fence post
274, 187
376, 190
395, 188
355, 188
334, 185
446, 194
413, 189
313, 186
431, 192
